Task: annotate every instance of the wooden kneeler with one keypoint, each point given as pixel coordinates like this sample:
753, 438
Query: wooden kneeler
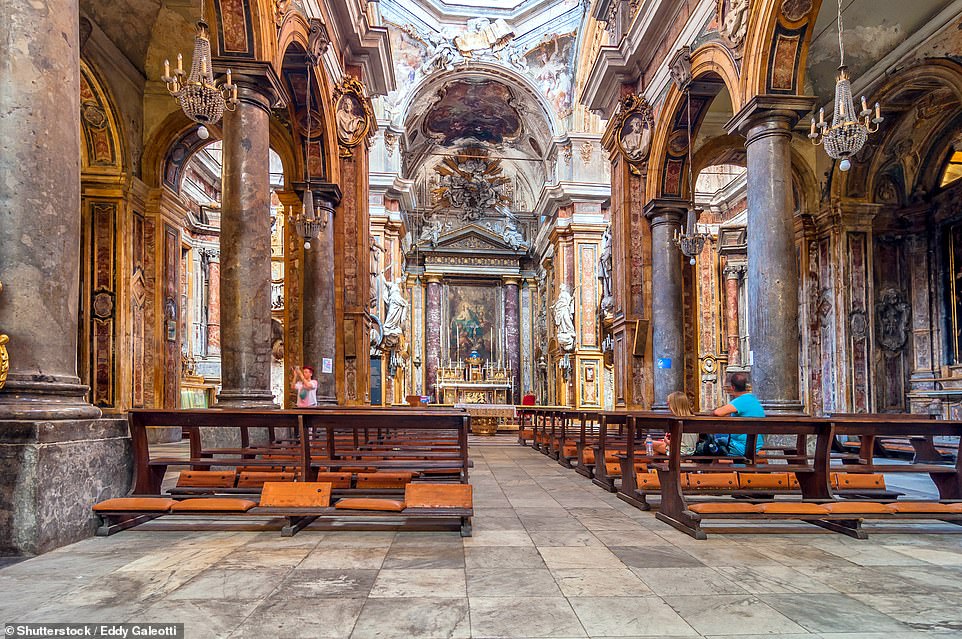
300, 502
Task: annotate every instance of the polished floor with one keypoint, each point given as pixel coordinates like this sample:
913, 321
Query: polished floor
552, 556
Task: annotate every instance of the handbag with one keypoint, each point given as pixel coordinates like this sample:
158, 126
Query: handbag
709, 446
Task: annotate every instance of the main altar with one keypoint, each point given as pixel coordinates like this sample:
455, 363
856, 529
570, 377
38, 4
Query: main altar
474, 382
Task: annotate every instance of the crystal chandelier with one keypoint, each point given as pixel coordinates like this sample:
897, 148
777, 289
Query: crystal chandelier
202, 99
307, 224
691, 242
849, 131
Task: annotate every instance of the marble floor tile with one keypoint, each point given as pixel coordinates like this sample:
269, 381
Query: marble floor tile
350, 557
413, 618
443, 556
264, 558
921, 612
201, 619
832, 612
688, 581
564, 557
498, 538
664, 556
594, 582
327, 583
773, 579
219, 583
623, 616
515, 582
301, 619
527, 617
419, 583
732, 614
564, 538
502, 557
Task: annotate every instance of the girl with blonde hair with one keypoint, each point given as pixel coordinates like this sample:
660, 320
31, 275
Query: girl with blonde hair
679, 406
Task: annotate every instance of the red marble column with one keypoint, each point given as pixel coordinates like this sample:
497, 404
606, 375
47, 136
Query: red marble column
512, 334
213, 306
733, 273
432, 333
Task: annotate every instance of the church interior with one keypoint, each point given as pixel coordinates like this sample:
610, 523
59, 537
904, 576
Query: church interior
331, 276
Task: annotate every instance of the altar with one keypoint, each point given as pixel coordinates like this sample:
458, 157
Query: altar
472, 382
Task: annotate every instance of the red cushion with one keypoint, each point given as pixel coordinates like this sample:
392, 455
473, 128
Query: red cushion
724, 508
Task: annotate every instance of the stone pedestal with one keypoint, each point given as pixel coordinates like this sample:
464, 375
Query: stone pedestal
245, 251
320, 334
667, 309
51, 473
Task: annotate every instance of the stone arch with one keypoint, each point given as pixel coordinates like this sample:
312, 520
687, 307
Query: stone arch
776, 47
710, 63
101, 139
243, 29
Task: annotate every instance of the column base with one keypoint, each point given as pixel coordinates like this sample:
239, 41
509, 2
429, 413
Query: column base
52, 472
782, 406
31, 399
245, 398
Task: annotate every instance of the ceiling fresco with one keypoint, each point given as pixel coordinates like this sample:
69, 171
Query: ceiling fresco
469, 110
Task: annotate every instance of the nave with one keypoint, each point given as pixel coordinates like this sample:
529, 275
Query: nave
552, 555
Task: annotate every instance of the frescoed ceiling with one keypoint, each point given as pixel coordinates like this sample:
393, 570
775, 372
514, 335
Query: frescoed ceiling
474, 110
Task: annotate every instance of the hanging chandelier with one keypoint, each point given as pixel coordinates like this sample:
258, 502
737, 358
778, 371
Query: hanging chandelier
307, 223
849, 130
203, 100
691, 243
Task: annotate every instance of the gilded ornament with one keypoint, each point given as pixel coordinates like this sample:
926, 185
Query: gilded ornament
353, 115
634, 124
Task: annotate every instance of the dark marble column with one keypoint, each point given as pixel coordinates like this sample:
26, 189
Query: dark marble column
56, 457
512, 334
40, 210
667, 309
733, 273
245, 253
320, 334
432, 333
772, 276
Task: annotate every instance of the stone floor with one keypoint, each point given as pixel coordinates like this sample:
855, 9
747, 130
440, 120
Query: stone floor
552, 556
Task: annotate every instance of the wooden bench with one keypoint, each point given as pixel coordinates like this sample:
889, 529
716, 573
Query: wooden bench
300, 503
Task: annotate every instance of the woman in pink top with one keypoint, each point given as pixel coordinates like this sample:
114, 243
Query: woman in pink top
306, 386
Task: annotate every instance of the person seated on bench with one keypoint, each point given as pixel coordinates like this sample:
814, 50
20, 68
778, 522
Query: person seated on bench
742, 404
679, 406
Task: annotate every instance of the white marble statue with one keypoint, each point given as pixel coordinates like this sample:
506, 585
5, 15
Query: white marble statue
735, 23
564, 318
513, 237
444, 54
604, 271
395, 313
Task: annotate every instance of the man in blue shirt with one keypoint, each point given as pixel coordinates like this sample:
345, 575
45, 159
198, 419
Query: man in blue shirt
742, 404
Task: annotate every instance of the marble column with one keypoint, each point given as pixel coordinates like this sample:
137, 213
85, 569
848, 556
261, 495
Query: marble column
40, 211
432, 333
732, 273
512, 334
56, 457
245, 253
213, 305
667, 309
320, 334
772, 275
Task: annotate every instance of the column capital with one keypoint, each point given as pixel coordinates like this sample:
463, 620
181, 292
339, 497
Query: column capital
257, 82
511, 280
326, 192
734, 271
772, 113
665, 211
432, 278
